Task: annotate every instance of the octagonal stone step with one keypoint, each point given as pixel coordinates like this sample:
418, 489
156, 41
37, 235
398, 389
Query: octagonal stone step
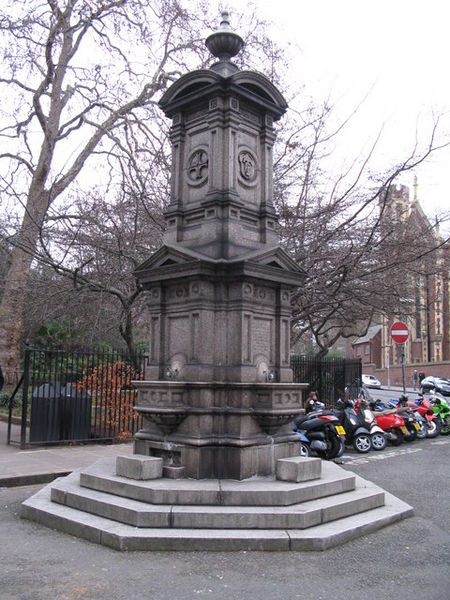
257, 491
299, 516
120, 536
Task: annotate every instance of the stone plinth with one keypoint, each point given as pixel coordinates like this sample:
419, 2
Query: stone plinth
218, 429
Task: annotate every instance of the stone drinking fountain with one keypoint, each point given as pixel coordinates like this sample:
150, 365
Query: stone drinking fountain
218, 398
216, 465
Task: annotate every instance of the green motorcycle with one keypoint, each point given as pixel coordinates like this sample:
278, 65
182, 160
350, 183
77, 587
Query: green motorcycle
441, 411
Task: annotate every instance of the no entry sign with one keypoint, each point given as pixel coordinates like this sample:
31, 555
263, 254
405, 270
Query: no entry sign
399, 332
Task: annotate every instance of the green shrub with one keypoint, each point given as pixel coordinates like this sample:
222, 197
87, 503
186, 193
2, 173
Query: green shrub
4, 400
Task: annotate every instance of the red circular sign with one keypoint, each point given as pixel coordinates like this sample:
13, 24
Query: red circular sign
399, 332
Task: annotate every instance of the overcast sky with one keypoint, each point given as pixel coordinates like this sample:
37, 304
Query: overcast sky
399, 50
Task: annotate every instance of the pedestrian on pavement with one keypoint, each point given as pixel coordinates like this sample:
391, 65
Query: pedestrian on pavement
415, 376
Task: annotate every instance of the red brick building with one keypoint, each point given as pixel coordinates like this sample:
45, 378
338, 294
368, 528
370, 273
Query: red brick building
427, 305
368, 347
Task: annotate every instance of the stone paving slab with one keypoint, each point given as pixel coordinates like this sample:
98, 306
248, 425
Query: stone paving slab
44, 464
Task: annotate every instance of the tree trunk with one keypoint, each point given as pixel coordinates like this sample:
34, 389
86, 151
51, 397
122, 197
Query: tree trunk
11, 314
16, 284
126, 331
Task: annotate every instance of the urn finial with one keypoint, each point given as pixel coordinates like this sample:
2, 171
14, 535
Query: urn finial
224, 44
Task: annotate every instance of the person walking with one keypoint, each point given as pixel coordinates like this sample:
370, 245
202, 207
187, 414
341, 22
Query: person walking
414, 379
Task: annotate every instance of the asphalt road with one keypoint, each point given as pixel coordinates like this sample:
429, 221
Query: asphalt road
408, 559
385, 394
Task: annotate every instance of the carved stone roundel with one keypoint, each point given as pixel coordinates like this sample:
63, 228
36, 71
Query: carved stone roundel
198, 166
247, 166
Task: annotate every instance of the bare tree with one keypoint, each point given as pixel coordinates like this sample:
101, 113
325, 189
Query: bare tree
359, 263
81, 80
84, 156
74, 84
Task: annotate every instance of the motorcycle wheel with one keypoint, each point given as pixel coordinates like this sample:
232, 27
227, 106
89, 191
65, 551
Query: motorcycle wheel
396, 438
445, 427
362, 443
410, 436
341, 448
433, 428
379, 441
335, 447
422, 433
304, 450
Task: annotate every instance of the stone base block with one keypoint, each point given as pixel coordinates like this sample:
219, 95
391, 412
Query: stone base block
223, 462
139, 467
298, 468
172, 472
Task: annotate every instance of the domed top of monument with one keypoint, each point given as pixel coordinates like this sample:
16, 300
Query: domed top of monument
224, 44
223, 77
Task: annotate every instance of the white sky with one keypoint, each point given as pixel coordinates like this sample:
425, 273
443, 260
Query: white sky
399, 50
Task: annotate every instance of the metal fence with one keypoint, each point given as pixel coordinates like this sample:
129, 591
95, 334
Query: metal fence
68, 396
74, 396
330, 377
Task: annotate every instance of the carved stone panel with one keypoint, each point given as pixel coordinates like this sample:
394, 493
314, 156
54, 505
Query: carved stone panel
197, 167
153, 297
248, 169
285, 342
178, 338
246, 338
263, 337
154, 339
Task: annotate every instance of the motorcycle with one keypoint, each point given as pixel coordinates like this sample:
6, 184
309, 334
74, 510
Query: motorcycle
377, 435
356, 432
442, 412
321, 432
425, 408
414, 422
391, 422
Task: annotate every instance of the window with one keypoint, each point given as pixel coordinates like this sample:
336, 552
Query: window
418, 311
367, 350
358, 350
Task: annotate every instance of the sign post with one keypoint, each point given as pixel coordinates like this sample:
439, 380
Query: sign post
400, 334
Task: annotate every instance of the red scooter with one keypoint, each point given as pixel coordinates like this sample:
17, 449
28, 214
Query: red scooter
392, 423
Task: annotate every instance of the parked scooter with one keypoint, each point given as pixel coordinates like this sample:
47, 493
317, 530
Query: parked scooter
321, 432
356, 432
377, 435
391, 422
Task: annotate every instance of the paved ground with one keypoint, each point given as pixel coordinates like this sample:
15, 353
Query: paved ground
43, 464
409, 559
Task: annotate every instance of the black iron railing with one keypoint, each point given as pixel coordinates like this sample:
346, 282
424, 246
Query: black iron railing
75, 396
328, 376
67, 396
